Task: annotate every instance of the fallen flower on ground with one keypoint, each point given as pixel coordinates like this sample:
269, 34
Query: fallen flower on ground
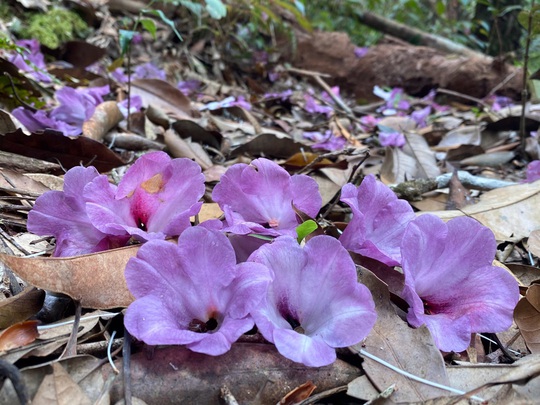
378, 223
314, 303
32, 62
533, 171
62, 214
154, 200
259, 198
450, 282
193, 293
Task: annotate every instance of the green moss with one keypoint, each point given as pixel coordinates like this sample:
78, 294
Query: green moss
55, 27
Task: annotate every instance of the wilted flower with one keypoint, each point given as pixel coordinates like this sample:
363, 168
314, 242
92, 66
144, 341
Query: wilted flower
378, 222
533, 171
76, 107
149, 71
189, 87
62, 214
135, 104
259, 198
360, 52
314, 304
392, 138
395, 100
450, 282
228, 102
37, 68
193, 293
420, 116
313, 107
155, 198
326, 141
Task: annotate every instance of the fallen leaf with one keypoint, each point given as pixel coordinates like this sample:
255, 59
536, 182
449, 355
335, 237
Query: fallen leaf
189, 129
184, 148
510, 212
298, 394
54, 147
96, 280
21, 306
489, 159
527, 318
534, 242
270, 145
163, 95
18, 335
393, 341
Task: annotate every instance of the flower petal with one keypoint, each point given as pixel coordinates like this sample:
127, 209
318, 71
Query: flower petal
312, 352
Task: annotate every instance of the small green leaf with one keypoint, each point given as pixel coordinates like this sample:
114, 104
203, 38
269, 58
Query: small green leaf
216, 9
193, 7
150, 26
167, 21
125, 39
304, 229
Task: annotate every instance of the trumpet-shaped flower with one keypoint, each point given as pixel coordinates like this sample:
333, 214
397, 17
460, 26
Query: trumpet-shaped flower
155, 198
62, 214
378, 222
450, 282
193, 293
315, 303
259, 198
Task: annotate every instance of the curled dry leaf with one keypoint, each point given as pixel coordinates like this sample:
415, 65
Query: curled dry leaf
18, 335
527, 318
96, 280
106, 116
184, 148
163, 95
298, 394
21, 306
248, 368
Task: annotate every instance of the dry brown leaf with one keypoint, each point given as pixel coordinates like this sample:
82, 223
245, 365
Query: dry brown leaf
184, 148
272, 146
97, 279
409, 349
106, 116
458, 196
489, 159
534, 242
527, 318
245, 369
524, 273
59, 388
18, 335
362, 388
510, 212
298, 394
163, 95
300, 160
20, 183
209, 211
20, 307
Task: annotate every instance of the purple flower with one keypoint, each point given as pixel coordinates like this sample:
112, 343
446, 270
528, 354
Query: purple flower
62, 214
193, 293
420, 116
378, 223
40, 120
360, 52
37, 67
368, 122
327, 98
119, 75
136, 104
326, 141
533, 171
314, 304
314, 107
283, 96
394, 98
392, 138
450, 282
78, 105
155, 198
189, 86
258, 198
149, 71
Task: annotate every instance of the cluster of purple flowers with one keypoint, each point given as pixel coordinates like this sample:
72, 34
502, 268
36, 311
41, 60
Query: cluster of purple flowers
214, 284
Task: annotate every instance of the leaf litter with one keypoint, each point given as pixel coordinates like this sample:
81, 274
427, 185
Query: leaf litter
311, 129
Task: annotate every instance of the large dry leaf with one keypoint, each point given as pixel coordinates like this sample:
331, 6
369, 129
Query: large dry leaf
527, 318
409, 349
96, 280
54, 147
270, 145
177, 375
185, 148
510, 212
20, 307
163, 95
534, 242
20, 183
